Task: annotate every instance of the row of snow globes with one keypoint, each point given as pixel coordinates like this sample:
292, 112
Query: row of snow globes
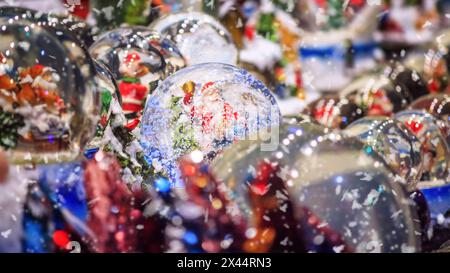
282, 184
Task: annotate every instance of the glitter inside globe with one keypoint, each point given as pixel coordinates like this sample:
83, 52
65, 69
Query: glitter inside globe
205, 107
377, 95
49, 104
391, 139
334, 112
320, 190
200, 37
434, 146
139, 59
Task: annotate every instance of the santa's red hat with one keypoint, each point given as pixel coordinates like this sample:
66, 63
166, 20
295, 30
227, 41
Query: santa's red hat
132, 57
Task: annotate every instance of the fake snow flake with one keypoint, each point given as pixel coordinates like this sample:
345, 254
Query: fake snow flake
5, 234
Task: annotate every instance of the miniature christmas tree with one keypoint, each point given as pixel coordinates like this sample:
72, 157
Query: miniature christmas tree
10, 124
183, 140
335, 10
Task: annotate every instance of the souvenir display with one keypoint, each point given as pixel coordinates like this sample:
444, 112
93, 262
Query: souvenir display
300, 196
224, 126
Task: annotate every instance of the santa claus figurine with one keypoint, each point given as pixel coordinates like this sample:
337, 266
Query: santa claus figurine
135, 85
215, 115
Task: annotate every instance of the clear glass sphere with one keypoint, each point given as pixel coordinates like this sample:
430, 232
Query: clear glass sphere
407, 77
49, 103
377, 95
327, 193
200, 37
434, 145
334, 112
139, 59
391, 139
436, 104
205, 107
